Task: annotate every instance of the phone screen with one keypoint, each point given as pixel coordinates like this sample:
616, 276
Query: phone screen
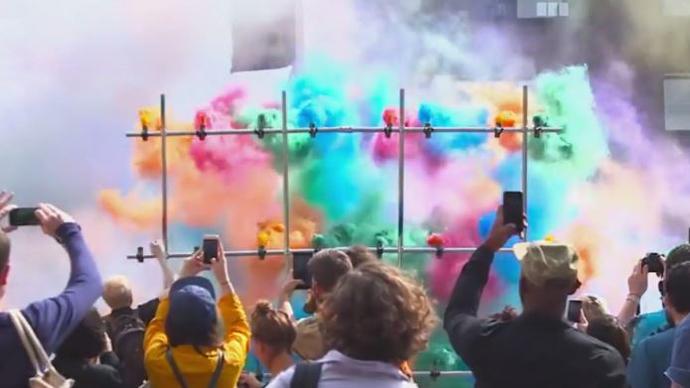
513, 211
23, 216
210, 247
300, 270
573, 312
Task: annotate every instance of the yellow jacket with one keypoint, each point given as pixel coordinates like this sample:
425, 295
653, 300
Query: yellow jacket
196, 367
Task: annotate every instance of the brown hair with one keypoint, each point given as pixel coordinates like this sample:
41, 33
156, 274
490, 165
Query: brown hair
328, 266
272, 327
4, 250
359, 255
607, 329
378, 313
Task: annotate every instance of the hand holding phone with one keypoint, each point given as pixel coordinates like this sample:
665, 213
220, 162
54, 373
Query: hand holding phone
24, 216
654, 263
210, 247
513, 209
300, 270
574, 311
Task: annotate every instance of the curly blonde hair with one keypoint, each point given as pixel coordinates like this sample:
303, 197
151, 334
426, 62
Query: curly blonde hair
376, 312
272, 327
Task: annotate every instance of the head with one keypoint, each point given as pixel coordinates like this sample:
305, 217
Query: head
359, 254
678, 255
326, 268
607, 329
548, 276
593, 307
87, 340
4, 262
193, 316
117, 292
677, 291
273, 332
378, 313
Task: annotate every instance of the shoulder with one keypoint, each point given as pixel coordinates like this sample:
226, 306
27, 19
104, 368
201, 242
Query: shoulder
596, 351
283, 379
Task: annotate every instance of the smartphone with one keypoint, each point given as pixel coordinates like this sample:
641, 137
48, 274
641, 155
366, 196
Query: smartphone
300, 269
654, 263
23, 216
513, 210
210, 247
573, 311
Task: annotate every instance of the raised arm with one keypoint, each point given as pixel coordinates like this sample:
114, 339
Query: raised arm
637, 286
52, 319
158, 250
460, 319
286, 294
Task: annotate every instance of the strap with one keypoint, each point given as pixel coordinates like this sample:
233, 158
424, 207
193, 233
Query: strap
30, 352
178, 374
41, 355
307, 375
175, 368
219, 369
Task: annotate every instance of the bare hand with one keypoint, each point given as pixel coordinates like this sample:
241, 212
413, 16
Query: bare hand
638, 280
51, 218
219, 265
500, 233
249, 380
158, 249
5, 208
193, 265
108, 342
289, 287
583, 323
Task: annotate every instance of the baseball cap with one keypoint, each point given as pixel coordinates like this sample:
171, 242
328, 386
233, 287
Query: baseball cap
547, 260
192, 304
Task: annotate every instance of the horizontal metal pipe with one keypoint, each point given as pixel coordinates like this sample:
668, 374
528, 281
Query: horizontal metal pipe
279, 252
217, 132
446, 373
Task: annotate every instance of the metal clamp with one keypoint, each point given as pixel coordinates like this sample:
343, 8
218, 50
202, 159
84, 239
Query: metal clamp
428, 130
379, 249
313, 130
144, 133
388, 130
140, 254
539, 124
260, 130
261, 252
435, 371
439, 252
201, 132
498, 130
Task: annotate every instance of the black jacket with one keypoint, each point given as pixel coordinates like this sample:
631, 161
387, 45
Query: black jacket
86, 375
530, 351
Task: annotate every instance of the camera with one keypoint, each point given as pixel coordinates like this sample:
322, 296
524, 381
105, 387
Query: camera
654, 263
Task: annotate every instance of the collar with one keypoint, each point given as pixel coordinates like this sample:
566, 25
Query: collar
378, 367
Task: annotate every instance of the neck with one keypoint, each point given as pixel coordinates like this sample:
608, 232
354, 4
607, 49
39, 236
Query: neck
676, 317
552, 310
279, 363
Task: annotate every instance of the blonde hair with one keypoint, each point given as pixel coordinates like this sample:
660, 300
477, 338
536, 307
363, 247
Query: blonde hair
117, 292
594, 307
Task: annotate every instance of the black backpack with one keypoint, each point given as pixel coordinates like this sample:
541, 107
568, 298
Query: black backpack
127, 333
307, 375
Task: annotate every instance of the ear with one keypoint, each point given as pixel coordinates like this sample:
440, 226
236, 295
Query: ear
576, 286
4, 275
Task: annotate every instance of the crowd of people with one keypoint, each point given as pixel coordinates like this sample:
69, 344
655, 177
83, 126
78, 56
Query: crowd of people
367, 323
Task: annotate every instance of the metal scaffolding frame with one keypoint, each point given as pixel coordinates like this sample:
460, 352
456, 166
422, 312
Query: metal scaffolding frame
402, 129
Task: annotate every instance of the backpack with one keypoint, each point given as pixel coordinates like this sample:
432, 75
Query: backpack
127, 333
307, 375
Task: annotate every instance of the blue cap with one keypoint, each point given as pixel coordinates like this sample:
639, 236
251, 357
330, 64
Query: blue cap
192, 306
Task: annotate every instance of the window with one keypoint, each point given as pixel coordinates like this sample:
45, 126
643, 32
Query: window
543, 9
677, 102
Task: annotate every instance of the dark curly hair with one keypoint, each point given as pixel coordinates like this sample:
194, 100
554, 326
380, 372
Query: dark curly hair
359, 255
272, 327
377, 313
87, 340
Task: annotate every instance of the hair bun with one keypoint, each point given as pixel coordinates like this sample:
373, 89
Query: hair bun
263, 307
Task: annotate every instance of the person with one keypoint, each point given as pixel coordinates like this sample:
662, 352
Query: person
644, 325
54, 318
679, 370
359, 254
607, 329
594, 307
126, 325
326, 267
652, 356
374, 319
87, 357
273, 333
537, 348
183, 344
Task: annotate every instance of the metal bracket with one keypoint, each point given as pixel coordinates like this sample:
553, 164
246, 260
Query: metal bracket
428, 130
379, 249
261, 252
140, 254
260, 130
388, 130
313, 130
439, 252
498, 130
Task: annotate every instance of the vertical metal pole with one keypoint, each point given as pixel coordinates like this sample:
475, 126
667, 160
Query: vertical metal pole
525, 139
286, 177
164, 180
401, 177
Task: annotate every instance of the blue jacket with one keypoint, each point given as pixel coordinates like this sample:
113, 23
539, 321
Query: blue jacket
53, 318
649, 361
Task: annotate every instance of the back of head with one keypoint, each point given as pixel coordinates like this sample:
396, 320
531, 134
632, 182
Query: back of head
87, 340
359, 255
328, 266
593, 307
607, 329
272, 327
678, 255
378, 313
117, 292
677, 287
